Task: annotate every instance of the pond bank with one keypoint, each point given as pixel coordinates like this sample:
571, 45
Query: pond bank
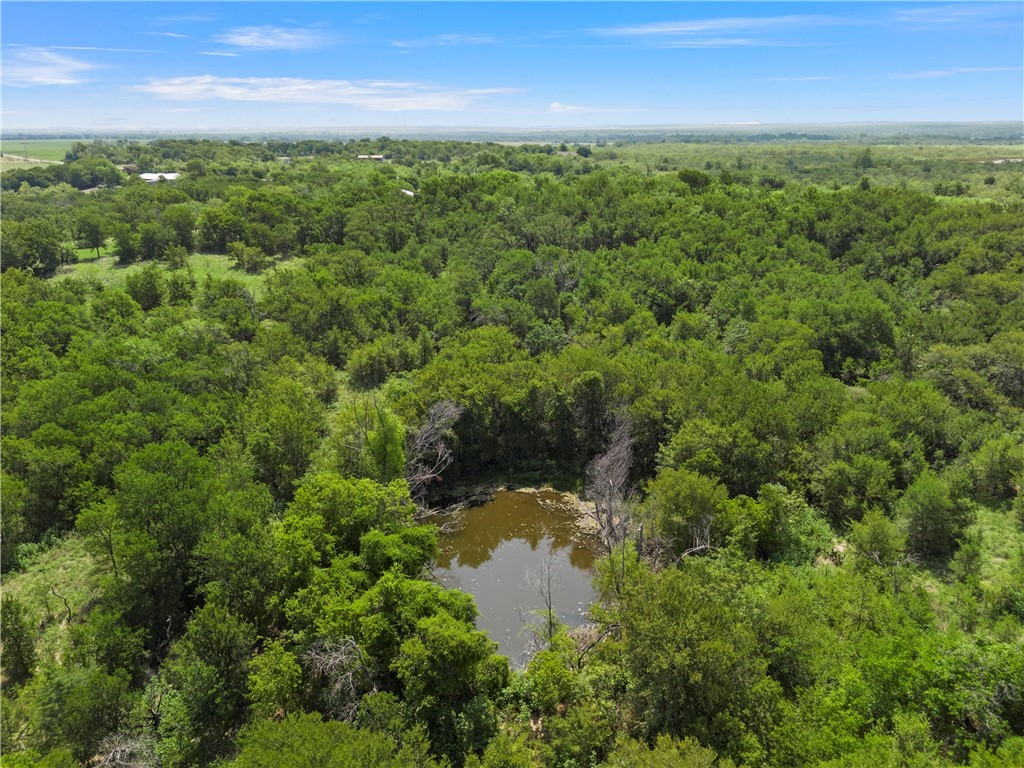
465, 496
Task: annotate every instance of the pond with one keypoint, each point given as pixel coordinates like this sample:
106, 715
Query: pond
501, 552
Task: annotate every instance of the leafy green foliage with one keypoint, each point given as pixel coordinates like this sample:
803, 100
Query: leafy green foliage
305, 741
816, 556
18, 639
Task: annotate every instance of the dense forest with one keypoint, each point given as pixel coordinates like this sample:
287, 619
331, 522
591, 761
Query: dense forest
790, 378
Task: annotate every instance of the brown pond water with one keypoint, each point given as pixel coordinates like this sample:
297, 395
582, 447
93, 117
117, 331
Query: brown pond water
499, 550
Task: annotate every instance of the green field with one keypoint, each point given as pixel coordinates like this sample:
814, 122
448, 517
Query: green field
37, 149
108, 272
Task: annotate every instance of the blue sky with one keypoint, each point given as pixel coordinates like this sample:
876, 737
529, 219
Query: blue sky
198, 65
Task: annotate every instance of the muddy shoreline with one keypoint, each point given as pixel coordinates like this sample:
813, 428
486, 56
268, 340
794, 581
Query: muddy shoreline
463, 497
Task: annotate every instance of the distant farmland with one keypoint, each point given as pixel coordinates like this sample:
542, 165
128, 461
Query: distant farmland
35, 149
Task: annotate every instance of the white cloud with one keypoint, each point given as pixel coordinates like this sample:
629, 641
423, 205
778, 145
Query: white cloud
934, 73
957, 14
231, 54
39, 66
557, 106
447, 41
184, 19
560, 108
272, 38
375, 95
714, 42
170, 34
731, 24
93, 48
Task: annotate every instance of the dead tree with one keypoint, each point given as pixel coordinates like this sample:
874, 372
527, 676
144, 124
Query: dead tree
589, 636
608, 485
342, 666
543, 580
67, 606
123, 750
429, 452
701, 531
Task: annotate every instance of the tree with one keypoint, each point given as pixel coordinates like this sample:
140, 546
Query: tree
345, 672
608, 485
933, 518
696, 660
127, 244
181, 220
351, 507
206, 681
32, 245
18, 639
78, 708
543, 581
441, 667
91, 232
284, 425
147, 286
274, 680
429, 452
687, 509
250, 258
553, 683
877, 541
385, 447
101, 527
153, 240
306, 741
163, 493
667, 752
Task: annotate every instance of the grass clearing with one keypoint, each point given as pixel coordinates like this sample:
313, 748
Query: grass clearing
106, 271
65, 568
1001, 539
1002, 545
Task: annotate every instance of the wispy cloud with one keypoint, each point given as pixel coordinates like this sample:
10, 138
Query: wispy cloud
447, 40
93, 48
40, 66
957, 14
720, 25
557, 106
714, 42
579, 109
375, 95
230, 54
934, 73
170, 34
194, 19
272, 38
723, 32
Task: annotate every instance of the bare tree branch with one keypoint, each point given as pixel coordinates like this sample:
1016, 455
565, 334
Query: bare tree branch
67, 606
701, 531
587, 638
121, 750
608, 485
543, 580
342, 665
429, 452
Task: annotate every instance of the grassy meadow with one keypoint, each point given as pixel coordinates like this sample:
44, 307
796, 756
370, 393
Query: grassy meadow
105, 269
24, 154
